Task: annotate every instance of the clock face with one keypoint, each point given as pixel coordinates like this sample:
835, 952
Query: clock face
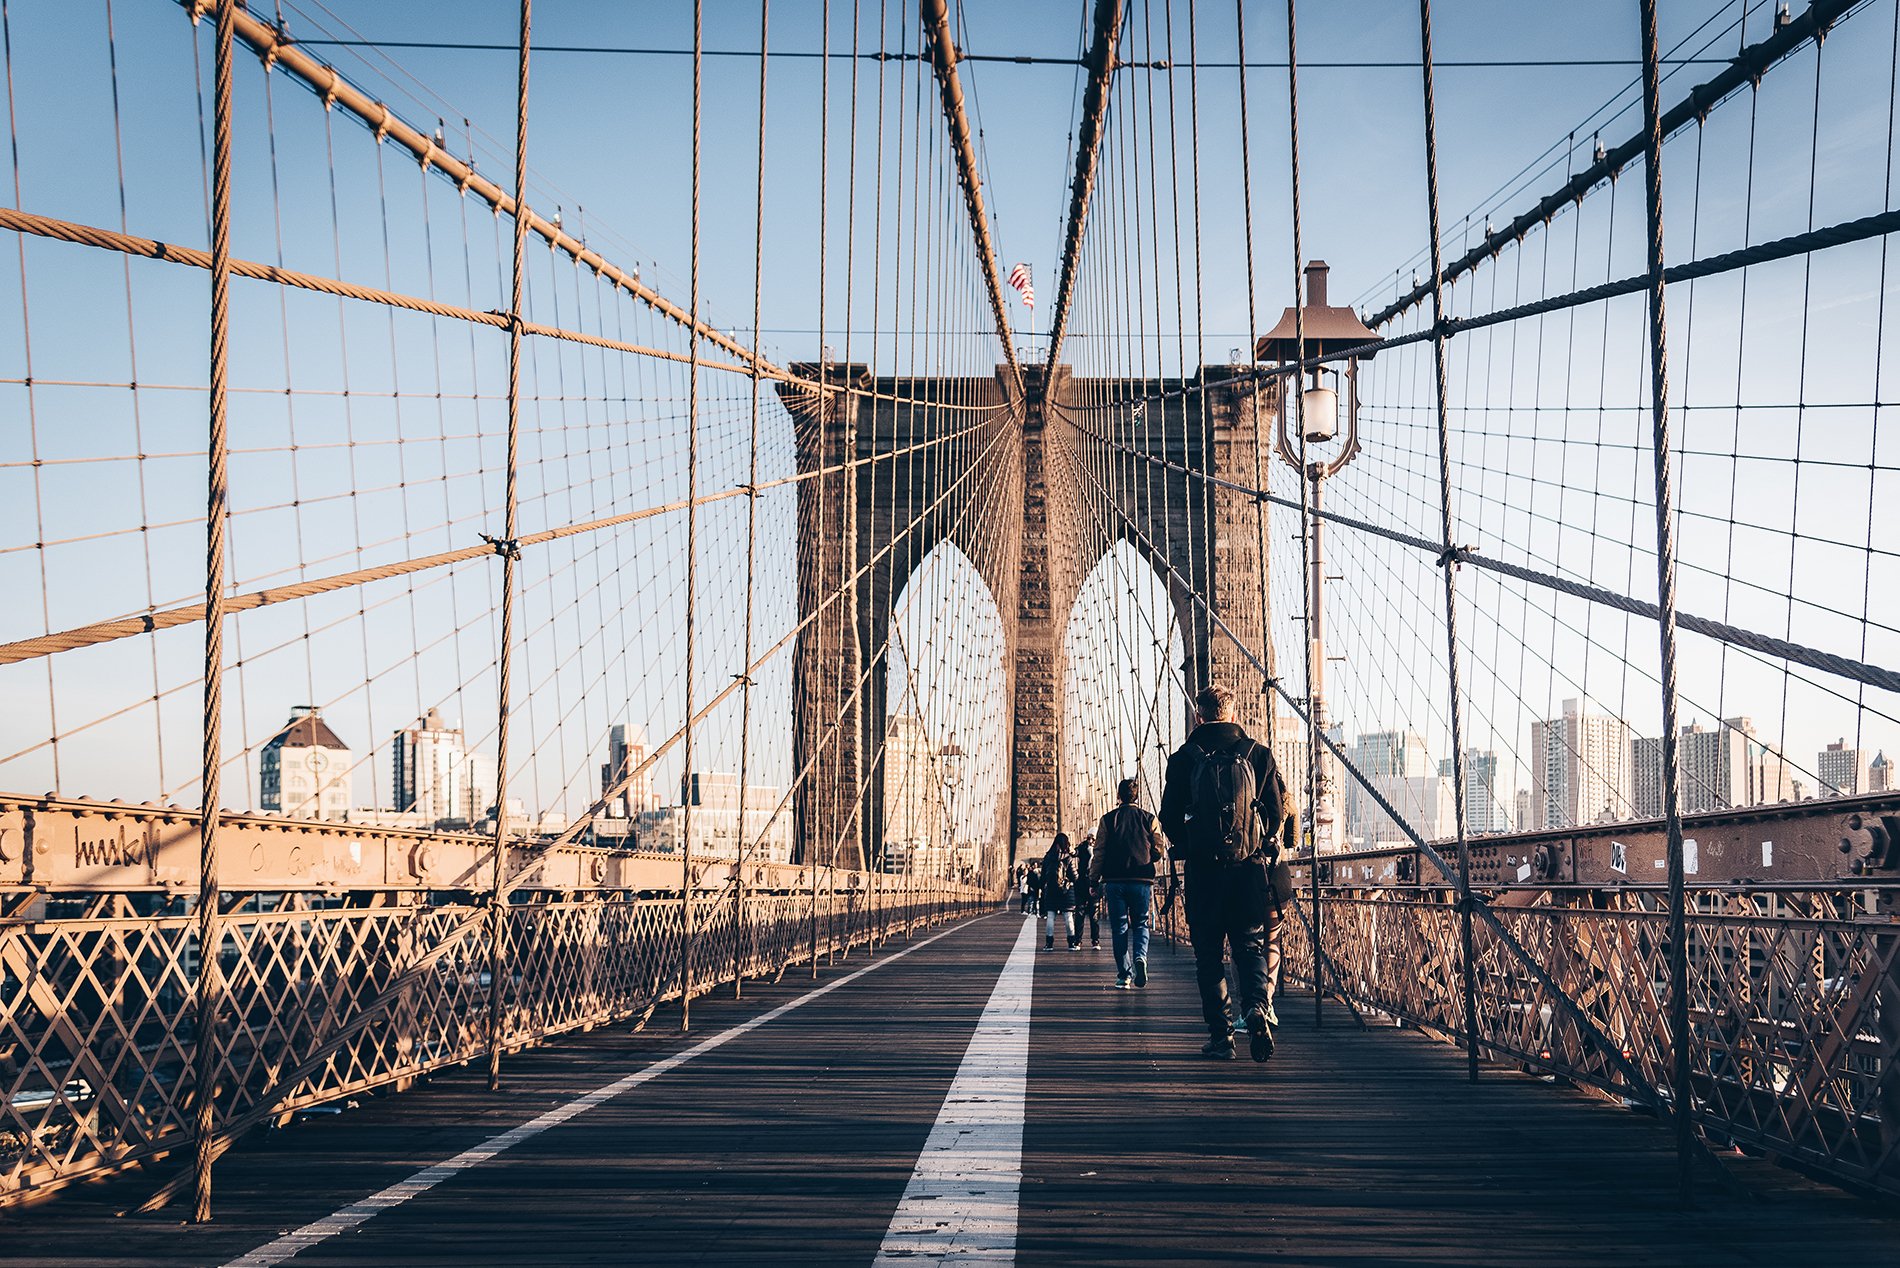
316, 760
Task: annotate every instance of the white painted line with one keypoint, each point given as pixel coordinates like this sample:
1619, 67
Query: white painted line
960, 1205
422, 1181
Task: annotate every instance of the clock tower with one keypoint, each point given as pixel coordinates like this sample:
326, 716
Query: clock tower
306, 769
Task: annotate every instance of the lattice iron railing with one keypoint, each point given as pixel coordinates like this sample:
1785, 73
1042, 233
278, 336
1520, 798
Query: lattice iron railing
1794, 1002
328, 997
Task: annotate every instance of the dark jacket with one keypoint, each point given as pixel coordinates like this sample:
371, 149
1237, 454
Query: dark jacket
1085, 886
1058, 881
1127, 846
1177, 795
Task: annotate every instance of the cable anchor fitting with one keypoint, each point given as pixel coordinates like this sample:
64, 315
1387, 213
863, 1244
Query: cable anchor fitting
506, 547
1454, 555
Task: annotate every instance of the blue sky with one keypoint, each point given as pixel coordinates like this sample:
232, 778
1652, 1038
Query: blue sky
609, 144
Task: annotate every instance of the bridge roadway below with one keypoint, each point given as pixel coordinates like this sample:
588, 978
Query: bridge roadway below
797, 1140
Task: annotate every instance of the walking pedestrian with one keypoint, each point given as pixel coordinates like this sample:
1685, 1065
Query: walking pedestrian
1022, 887
1222, 807
1033, 872
1127, 846
1088, 894
1058, 892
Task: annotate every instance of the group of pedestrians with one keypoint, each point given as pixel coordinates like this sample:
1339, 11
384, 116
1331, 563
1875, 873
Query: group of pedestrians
1226, 819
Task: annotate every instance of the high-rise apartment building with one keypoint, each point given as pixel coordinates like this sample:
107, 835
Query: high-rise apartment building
626, 752
437, 778
1580, 769
1715, 770
1484, 800
915, 809
1771, 776
717, 833
1290, 754
305, 769
1880, 774
1843, 771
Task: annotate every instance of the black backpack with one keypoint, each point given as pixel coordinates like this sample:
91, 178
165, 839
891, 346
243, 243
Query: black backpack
1222, 826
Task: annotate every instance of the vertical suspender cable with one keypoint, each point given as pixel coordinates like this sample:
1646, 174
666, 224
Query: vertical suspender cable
692, 556
510, 554
1679, 1036
210, 935
751, 512
1309, 526
1449, 559
1253, 380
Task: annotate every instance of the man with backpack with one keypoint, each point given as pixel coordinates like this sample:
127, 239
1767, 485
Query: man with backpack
1223, 806
1127, 847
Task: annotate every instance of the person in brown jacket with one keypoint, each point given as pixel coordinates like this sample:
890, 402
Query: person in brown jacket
1128, 844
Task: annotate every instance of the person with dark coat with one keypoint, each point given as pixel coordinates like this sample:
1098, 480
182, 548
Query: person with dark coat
1230, 903
1034, 873
1058, 891
1127, 847
1088, 895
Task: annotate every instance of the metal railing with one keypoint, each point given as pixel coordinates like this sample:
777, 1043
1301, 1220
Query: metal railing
1794, 1002
330, 995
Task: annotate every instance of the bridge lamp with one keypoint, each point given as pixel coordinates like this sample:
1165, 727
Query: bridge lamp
1309, 405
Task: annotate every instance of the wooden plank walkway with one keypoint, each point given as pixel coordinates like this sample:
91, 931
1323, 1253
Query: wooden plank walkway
793, 1142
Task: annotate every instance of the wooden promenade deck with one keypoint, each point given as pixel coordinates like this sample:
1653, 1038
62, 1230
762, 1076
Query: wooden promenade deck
793, 1143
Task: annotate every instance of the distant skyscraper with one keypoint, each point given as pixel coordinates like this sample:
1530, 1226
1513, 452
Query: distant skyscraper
626, 752
1521, 811
1290, 755
1771, 776
1580, 768
1880, 774
764, 837
1484, 803
305, 769
1389, 759
437, 778
1715, 770
914, 806
1843, 770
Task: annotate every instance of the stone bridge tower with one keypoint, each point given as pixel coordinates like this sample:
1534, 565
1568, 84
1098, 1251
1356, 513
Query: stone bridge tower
1034, 484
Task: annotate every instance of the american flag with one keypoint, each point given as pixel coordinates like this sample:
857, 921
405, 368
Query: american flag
1019, 278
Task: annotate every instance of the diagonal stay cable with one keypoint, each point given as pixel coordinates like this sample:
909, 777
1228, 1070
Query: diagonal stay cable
1746, 68
1814, 658
126, 627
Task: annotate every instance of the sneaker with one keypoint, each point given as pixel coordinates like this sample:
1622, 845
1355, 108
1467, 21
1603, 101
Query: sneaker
1141, 970
1075, 946
1121, 983
1095, 946
1219, 1048
1260, 1035
1049, 945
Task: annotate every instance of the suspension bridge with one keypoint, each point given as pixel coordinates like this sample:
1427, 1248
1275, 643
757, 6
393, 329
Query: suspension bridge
540, 731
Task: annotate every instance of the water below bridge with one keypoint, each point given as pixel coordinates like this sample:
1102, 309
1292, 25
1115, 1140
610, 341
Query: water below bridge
966, 1097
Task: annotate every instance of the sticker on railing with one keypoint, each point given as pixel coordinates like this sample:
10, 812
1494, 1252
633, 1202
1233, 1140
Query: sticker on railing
1767, 853
1619, 860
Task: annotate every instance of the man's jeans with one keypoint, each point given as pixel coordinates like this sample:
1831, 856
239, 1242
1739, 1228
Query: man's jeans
1128, 905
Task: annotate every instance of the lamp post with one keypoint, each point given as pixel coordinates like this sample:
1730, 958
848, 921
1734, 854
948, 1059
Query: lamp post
1319, 395
951, 756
